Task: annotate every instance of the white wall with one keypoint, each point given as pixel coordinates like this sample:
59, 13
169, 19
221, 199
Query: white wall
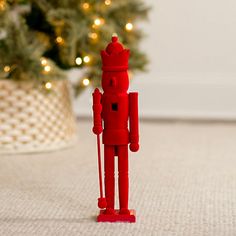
192, 49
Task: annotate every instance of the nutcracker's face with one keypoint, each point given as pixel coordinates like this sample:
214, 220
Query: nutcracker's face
115, 82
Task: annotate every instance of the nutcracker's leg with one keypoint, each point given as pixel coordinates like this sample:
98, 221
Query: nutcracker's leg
109, 178
123, 178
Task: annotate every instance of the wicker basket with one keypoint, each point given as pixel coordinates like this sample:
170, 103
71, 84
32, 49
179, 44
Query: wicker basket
32, 120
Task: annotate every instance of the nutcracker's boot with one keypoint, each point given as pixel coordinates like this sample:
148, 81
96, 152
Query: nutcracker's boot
123, 178
109, 178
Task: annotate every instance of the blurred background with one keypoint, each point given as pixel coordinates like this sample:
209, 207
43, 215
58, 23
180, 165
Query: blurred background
192, 61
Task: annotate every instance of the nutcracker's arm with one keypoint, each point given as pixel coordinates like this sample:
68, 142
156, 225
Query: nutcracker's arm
133, 122
97, 110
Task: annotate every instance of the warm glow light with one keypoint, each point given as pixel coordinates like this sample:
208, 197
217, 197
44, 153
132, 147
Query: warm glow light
97, 22
7, 68
86, 82
85, 6
48, 85
47, 68
93, 36
107, 2
2, 5
129, 26
78, 61
86, 59
44, 61
59, 40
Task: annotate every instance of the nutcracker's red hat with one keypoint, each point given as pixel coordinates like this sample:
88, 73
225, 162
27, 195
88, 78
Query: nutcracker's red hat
115, 57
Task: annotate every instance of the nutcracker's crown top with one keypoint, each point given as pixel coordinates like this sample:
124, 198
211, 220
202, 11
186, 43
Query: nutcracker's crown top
115, 57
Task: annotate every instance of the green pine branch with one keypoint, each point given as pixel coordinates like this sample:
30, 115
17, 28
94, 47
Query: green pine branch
63, 30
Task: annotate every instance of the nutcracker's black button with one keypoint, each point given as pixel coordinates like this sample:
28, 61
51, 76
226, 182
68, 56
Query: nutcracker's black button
114, 106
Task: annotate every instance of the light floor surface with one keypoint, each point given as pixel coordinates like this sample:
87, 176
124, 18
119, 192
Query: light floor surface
182, 182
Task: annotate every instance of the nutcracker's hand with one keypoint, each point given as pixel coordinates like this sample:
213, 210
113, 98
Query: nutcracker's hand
134, 147
97, 130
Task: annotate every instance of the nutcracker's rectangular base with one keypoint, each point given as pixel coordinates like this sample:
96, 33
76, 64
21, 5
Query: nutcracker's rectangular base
116, 217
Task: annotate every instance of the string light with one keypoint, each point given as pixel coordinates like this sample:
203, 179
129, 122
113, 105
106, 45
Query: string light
7, 68
59, 40
107, 2
86, 59
97, 22
86, 82
78, 61
129, 26
93, 36
2, 5
48, 85
47, 68
85, 6
43, 62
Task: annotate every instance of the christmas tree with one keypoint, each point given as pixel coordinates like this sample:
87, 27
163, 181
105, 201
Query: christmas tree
41, 39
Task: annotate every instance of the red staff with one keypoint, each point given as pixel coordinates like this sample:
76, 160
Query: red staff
97, 129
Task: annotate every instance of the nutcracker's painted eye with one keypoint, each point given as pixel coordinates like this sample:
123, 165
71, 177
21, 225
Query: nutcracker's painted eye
114, 106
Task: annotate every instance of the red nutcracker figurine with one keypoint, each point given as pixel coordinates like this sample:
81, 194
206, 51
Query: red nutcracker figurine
115, 107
